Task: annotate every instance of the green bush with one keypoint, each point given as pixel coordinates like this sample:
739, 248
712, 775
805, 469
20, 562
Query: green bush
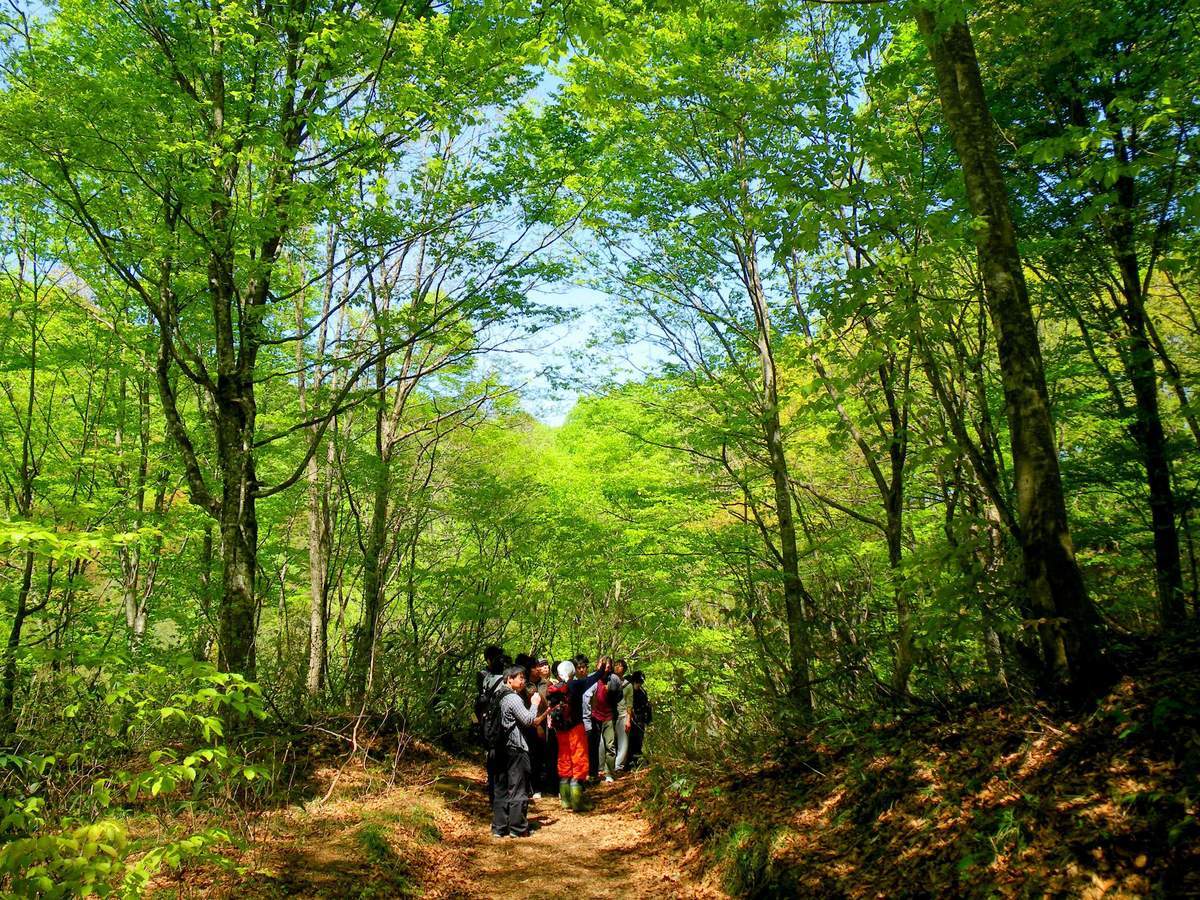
61, 828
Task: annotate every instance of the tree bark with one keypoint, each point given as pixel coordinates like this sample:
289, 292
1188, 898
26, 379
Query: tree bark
1067, 623
238, 523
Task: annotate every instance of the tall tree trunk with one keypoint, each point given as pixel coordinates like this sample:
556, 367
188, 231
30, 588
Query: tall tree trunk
797, 601
203, 637
8, 683
904, 654
1139, 365
1152, 444
1193, 564
136, 600
318, 564
238, 522
319, 538
362, 658
1067, 623
24, 503
1174, 377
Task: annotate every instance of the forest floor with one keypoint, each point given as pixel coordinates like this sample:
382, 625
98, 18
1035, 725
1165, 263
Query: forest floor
981, 799
424, 831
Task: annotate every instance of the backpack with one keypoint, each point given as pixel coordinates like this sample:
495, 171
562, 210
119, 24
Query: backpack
561, 716
642, 712
487, 708
496, 736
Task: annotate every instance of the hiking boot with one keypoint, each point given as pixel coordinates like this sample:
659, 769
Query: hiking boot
564, 794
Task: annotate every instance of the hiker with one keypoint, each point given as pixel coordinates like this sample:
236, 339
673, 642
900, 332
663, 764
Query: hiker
593, 735
538, 683
624, 720
603, 708
566, 715
487, 680
507, 738
642, 713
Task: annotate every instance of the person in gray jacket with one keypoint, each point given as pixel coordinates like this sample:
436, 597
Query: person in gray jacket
509, 811
624, 721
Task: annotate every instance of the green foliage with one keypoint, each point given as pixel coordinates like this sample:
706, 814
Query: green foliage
271, 261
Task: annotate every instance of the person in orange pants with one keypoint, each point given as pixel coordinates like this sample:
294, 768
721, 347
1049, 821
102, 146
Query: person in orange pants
566, 717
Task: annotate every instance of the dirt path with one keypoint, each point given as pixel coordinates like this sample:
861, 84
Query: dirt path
611, 851
424, 830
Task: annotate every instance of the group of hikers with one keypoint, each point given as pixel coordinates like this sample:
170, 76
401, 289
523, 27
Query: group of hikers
554, 728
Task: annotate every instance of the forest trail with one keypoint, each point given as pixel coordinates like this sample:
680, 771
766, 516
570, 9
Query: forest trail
425, 831
610, 851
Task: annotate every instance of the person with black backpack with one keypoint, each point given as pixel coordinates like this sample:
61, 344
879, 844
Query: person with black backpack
504, 726
487, 681
642, 715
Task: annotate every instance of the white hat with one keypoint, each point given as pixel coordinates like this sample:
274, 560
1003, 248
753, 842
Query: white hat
566, 670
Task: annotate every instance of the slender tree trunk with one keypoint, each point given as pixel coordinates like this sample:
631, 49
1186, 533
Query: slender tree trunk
1147, 428
362, 659
203, 637
1174, 377
1193, 566
894, 506
1067, 623
797, 601
24, 504
891, 490
318, 564
136, 600
905, 655
8, 686
1151, 440
319, 538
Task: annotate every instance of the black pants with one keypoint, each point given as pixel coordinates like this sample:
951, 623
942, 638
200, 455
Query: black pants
512, 793
490, 765
550, 770
537, 759
593, 751
637, 735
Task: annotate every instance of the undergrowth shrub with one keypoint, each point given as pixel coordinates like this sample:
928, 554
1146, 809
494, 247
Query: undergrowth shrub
150, 741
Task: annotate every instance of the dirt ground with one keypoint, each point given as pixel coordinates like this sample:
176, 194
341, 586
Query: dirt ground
610, 851
427, 833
